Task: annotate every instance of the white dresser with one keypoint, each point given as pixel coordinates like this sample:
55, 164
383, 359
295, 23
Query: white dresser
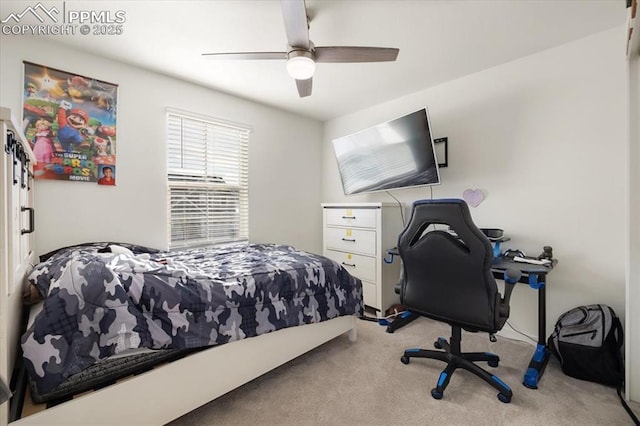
358, 235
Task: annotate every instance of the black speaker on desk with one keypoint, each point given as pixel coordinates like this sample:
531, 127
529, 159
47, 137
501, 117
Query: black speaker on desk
493, 233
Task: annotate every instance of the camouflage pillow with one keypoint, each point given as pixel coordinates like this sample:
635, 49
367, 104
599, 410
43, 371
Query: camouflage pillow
53, 263
101, 247
44, 272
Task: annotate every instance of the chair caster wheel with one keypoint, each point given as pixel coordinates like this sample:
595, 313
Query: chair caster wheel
493, 363
437, 345
436, 394
503, 398
404, 359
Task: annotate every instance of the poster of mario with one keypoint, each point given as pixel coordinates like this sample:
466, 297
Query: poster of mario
70, 121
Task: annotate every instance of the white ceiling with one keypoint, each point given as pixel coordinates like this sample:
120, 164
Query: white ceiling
438, 41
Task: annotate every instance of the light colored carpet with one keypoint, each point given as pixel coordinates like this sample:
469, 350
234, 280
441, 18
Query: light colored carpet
364, 383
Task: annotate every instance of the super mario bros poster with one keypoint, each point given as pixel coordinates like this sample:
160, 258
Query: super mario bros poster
70, 121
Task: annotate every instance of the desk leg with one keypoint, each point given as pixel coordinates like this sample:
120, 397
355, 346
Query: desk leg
541, 355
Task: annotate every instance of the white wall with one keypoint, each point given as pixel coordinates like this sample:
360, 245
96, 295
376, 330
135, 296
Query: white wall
284, 171
544, 137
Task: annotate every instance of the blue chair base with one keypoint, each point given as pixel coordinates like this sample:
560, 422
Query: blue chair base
452, 355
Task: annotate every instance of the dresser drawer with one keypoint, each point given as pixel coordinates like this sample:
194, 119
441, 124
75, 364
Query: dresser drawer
363, 267
351, 240
359, 218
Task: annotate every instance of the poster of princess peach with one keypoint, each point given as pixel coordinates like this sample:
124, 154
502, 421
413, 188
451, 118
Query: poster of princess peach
70, 121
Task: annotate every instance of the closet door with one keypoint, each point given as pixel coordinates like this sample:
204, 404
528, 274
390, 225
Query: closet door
17, 251
17, 206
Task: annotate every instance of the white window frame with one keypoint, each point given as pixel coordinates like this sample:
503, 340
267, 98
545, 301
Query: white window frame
207, 180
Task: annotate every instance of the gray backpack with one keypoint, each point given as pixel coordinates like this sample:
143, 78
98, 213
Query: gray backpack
587, 340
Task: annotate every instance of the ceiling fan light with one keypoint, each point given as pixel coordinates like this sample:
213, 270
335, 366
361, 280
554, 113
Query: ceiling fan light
301, 67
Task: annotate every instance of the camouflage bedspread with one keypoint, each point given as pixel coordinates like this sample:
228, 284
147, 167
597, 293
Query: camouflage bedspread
100, 304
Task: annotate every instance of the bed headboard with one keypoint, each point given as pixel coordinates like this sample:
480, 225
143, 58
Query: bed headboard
17, 238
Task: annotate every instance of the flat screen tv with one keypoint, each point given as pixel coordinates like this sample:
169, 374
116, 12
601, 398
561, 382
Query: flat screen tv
391, 155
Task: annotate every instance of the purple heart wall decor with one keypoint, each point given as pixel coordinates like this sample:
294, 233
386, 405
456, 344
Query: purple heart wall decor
473, 197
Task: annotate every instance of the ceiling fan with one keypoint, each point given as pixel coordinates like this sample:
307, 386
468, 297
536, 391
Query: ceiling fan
302, 54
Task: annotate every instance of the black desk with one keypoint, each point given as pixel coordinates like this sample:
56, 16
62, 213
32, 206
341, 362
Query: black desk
536, 277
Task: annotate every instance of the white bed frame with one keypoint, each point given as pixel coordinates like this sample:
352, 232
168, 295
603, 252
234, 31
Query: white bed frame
157, 396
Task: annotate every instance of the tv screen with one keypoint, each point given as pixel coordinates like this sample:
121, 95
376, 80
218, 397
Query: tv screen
391, 155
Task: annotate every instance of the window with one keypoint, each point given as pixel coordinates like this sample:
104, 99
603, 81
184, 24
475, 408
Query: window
207, 175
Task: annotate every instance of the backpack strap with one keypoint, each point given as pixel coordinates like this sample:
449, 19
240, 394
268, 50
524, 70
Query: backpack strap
626, 407
617, 327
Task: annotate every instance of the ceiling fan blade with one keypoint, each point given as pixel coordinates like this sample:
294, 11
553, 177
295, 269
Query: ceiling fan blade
296, 25
304, 87
247, 55
355, 54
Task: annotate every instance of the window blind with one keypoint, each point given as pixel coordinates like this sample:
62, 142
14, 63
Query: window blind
207, 173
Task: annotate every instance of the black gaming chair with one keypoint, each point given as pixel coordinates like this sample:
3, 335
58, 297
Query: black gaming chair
447, 277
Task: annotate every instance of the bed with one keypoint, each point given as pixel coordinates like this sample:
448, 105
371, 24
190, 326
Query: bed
215, 318
103, 300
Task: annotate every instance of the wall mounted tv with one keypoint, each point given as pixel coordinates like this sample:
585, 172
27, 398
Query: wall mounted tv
391, 155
